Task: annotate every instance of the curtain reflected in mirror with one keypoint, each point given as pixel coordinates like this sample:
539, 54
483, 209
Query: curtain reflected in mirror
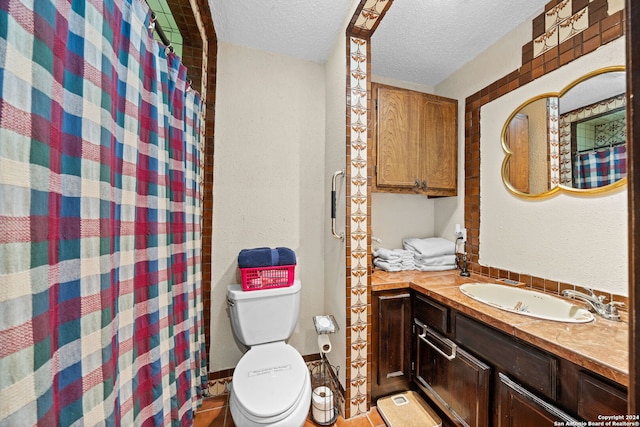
574, 140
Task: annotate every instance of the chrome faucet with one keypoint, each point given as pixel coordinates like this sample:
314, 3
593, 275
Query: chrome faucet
608, 311
464, 272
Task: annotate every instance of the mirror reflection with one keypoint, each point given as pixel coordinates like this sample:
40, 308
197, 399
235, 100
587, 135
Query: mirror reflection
574, 140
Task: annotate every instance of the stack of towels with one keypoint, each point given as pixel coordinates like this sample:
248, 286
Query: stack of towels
432, 254
266, 257
393, 259
428, 254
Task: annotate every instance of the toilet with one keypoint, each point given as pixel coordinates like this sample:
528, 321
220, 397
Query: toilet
271, 385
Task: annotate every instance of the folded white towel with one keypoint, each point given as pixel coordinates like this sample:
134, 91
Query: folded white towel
435, 267
395, 261
392, 253
437, 260
383, 253
386, 266
430, 247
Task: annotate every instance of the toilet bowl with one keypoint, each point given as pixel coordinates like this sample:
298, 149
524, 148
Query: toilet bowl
271, 385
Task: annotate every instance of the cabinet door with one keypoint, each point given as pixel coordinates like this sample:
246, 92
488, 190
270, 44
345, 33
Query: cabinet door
518, 407
391, 342
397, 146
438, 145
596, 397
455, 380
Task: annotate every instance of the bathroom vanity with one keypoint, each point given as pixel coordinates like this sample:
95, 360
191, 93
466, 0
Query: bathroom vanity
481, 366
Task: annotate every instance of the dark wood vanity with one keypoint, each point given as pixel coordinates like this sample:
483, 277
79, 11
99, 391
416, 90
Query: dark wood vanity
477, 365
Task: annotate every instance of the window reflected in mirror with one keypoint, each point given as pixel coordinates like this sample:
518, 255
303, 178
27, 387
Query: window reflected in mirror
574, 140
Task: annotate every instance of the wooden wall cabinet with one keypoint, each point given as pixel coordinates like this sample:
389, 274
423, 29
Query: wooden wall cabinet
391, 342
415, 142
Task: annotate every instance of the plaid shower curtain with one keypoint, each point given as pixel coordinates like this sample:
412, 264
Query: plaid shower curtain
100, 298
598, 168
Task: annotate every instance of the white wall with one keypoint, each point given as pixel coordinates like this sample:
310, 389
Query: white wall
398, 216
524, 236
580, 240
335, 159
268, 180
587, 245
492, 64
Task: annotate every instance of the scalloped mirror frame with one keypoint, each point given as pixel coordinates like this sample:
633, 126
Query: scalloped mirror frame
559, 188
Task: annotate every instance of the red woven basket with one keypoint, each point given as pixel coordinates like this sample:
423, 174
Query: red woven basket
267, 277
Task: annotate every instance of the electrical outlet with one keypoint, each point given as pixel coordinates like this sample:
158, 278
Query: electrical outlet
461, 233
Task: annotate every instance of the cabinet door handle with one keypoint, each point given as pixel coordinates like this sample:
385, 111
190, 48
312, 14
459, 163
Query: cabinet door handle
417, 183
424, 184
423, 337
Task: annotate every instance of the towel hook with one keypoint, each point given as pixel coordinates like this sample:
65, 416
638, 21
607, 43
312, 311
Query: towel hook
333, 205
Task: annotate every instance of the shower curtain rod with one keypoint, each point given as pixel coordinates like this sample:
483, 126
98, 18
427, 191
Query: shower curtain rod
602, 147
156, 27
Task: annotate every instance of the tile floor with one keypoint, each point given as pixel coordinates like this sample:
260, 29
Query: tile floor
215, 413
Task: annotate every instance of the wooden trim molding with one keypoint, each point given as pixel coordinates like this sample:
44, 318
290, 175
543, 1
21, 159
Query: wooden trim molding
199, 54
633, 137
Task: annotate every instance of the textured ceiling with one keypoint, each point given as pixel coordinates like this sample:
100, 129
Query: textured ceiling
305, 29
425, 41
419, 41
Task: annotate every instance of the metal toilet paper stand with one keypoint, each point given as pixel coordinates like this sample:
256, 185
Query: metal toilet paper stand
324, 407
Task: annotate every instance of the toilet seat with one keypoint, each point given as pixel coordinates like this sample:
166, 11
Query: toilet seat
269, 382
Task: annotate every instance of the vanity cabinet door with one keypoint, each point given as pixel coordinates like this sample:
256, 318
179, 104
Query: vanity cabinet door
415, 142
534, 368
596, 398
453, 379
518, 407
391, 342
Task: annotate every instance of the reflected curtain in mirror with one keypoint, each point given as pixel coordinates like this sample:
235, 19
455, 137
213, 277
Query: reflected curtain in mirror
573, 140
592, 140
595, 169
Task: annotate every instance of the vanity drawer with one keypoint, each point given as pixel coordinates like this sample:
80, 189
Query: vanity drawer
596, 397
533, 368
431, 313
457, 382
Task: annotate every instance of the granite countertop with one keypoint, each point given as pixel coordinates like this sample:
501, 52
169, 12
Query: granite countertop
600, 346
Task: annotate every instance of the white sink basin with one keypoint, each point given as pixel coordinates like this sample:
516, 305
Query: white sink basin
526, 302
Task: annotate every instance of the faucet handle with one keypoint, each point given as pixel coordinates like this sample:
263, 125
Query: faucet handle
611, 311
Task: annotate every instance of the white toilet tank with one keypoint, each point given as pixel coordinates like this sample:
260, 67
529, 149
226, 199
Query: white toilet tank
263, 316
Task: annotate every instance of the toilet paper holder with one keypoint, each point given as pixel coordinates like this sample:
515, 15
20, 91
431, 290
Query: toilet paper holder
324, 408
325, 324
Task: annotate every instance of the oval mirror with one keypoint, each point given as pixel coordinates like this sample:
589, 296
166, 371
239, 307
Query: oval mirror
573, 140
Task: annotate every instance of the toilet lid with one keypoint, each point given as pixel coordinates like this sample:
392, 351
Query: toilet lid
269, 379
